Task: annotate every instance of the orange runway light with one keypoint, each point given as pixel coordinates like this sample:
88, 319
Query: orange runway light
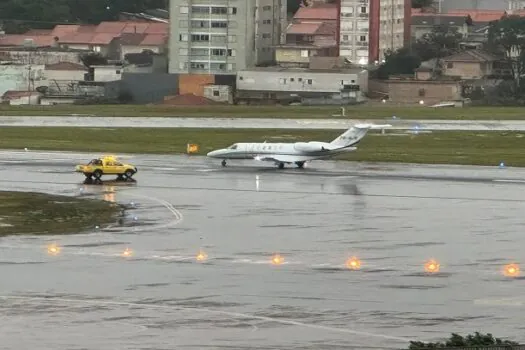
201, 256
127, 253
353, 263
432, 266
511, 270
53, 249
277, 259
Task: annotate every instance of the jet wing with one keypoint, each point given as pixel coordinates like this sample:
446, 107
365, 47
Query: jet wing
280, 158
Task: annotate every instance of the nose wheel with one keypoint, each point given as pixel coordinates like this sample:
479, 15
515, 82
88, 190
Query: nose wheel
223, 163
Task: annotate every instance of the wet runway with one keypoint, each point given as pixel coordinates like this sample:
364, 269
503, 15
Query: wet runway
396, 122
392, 217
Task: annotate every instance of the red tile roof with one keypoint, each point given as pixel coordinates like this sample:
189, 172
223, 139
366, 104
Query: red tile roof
476, 15
102, 38
158, 28
131, 39
19, 40
154, 40
69, 66
303, 28
316, 13
312, 28
13, 94
154, 33
38, 32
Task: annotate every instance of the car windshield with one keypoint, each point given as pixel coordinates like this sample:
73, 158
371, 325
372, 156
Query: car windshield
234, 146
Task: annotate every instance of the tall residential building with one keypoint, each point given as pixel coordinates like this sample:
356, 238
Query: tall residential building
368, 28
224, 36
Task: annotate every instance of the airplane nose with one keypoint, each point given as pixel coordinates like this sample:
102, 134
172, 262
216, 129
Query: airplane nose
213, 154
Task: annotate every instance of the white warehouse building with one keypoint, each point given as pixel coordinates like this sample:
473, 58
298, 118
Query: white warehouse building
301, 85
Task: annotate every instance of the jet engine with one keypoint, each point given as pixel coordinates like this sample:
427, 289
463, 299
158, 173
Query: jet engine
312, 146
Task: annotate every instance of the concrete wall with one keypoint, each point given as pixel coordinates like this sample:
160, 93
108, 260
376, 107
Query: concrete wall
467, 70
48, 101
39, 57
26, 100
295, 81
413, 91
219, 93
16, 77
64, 74
149, 88
107, 73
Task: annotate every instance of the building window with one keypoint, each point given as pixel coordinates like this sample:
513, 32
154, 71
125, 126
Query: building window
363, 9
266, 35
183, 37
309, 81
231, 52
200, 9
450, 65
304, 53
232, 38
200, 37
183, 9
267, 8
282, 81
233, 10
345, 37
421, 92
362, 38
267, 21
183, 52
219, 24
219, 10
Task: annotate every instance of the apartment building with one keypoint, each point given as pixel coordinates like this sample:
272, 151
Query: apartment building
368, 28
224, 36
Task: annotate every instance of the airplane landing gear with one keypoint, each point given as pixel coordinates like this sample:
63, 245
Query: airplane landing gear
299, 164
223, 163
281, 165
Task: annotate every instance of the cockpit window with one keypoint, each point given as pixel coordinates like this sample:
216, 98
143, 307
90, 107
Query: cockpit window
233, 146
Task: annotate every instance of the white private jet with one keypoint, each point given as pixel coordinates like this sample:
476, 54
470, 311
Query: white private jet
298, 152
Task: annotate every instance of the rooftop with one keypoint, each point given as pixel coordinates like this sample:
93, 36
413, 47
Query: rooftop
322, 28
320, 13
471, 56
65, 66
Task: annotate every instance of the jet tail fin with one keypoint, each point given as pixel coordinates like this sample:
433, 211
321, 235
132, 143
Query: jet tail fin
355, 133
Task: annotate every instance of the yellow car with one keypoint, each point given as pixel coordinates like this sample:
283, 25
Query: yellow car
107, 165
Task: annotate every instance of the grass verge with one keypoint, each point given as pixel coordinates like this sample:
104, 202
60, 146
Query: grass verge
446, 147
40, 213
231, 111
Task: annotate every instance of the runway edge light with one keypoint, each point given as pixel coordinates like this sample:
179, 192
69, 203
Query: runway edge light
192, 148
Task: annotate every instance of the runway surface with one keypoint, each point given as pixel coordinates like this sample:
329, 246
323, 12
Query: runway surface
260, 123
392, 217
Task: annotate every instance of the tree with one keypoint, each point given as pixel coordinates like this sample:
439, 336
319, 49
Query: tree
507, 37
456, 340
401, 61
440, 42
417, 4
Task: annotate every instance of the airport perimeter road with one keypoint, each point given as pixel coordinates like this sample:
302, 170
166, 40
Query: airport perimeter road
263, 123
